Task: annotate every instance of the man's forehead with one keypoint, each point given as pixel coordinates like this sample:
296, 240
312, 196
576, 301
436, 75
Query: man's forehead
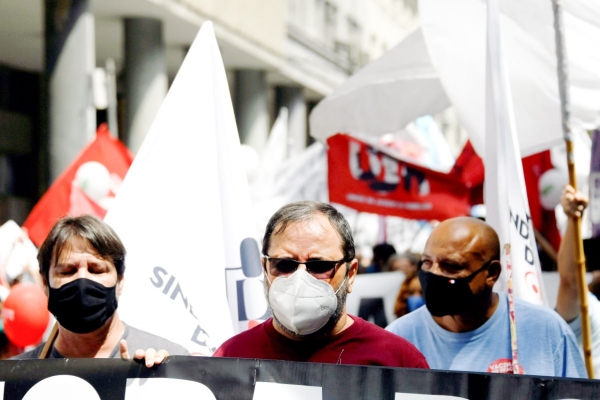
314, 230
316, 223
455, 249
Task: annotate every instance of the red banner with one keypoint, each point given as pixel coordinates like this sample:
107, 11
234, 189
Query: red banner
86, 187
370, 180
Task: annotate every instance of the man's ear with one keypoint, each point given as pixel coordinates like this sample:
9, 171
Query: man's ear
120, 283
353, 270
494, 271
45, 284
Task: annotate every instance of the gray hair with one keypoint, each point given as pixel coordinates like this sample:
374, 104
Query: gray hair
303, 210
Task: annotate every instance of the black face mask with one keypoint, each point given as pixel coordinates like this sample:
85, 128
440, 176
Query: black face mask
448, 296
83, 305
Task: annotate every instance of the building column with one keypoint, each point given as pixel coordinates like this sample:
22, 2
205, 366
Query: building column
146, 81
293, 98
70, 62
252, 108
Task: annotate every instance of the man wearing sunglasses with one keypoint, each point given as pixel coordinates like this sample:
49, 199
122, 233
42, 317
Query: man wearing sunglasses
465, 325
309, 265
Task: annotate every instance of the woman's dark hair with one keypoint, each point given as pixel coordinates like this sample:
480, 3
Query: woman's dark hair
401, 305
101, 237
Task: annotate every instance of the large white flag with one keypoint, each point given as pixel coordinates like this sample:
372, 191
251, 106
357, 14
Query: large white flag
454, 32
505, 194
183, 213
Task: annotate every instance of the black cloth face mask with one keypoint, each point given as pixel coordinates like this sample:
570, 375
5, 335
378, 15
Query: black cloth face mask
83, 305
448, 296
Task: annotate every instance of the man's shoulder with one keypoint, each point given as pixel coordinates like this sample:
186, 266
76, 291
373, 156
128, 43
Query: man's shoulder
29, 355
237, 345
538, 317
535, 311
378, 340
409, 322
371, 332
139, 339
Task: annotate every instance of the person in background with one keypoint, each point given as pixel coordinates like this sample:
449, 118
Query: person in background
410, 296
82, 264
381, 254
465, 325
405, 262
7, 348
310, 266
567, 301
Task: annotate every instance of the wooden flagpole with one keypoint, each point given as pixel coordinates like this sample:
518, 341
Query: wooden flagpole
48, 345
563, 88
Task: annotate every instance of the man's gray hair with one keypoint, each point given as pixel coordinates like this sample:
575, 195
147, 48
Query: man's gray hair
303, 210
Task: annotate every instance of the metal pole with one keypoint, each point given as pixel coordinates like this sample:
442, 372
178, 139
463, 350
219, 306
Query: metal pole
563, 85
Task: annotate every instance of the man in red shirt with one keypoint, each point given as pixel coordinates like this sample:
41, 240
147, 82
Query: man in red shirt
309, 264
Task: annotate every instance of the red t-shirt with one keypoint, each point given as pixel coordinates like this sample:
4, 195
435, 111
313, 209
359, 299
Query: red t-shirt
360, 344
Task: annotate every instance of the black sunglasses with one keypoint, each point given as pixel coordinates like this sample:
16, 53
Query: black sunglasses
320, 269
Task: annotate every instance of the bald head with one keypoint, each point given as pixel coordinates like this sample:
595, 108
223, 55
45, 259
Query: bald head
460, 266
466, 234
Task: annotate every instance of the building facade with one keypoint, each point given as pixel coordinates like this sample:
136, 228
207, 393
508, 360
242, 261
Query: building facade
68, 65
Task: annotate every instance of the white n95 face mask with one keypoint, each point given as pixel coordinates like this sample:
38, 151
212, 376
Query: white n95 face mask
301, 302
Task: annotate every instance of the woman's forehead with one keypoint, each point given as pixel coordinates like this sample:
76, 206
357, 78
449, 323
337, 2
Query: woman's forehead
74, 244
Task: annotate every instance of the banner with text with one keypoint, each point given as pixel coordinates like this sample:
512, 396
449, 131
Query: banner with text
206, 378
371, 180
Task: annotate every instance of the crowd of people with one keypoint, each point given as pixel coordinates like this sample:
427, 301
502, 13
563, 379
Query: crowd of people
449, 316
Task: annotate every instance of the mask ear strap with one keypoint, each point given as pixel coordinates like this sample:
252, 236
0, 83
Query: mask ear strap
267, 276
342, 285
483, 267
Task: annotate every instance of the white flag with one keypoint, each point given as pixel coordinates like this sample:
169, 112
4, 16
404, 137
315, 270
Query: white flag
454, 32
505, 194
183, 213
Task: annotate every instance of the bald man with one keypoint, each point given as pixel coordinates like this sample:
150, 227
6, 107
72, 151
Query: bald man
465, 324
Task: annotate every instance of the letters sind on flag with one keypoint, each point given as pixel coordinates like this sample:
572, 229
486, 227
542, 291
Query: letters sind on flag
183, 213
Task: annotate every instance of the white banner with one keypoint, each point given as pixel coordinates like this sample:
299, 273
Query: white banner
183, 212
505, 194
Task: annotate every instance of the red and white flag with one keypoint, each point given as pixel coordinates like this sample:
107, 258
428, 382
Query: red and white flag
505, 194
87, 186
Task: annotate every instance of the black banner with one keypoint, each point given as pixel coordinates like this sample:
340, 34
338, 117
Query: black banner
224, 379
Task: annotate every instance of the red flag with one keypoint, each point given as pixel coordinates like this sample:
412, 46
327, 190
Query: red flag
543, 220
86, 187
368, 179
469, 167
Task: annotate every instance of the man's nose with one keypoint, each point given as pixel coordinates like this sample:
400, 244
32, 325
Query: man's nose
302, 266
82, 271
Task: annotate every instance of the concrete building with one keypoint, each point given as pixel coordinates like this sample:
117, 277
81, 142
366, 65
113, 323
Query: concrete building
277, 53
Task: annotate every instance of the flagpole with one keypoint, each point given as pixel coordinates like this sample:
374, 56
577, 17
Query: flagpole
561, 62
517, 370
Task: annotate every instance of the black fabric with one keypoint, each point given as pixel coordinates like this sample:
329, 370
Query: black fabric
83, 305
241, 379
